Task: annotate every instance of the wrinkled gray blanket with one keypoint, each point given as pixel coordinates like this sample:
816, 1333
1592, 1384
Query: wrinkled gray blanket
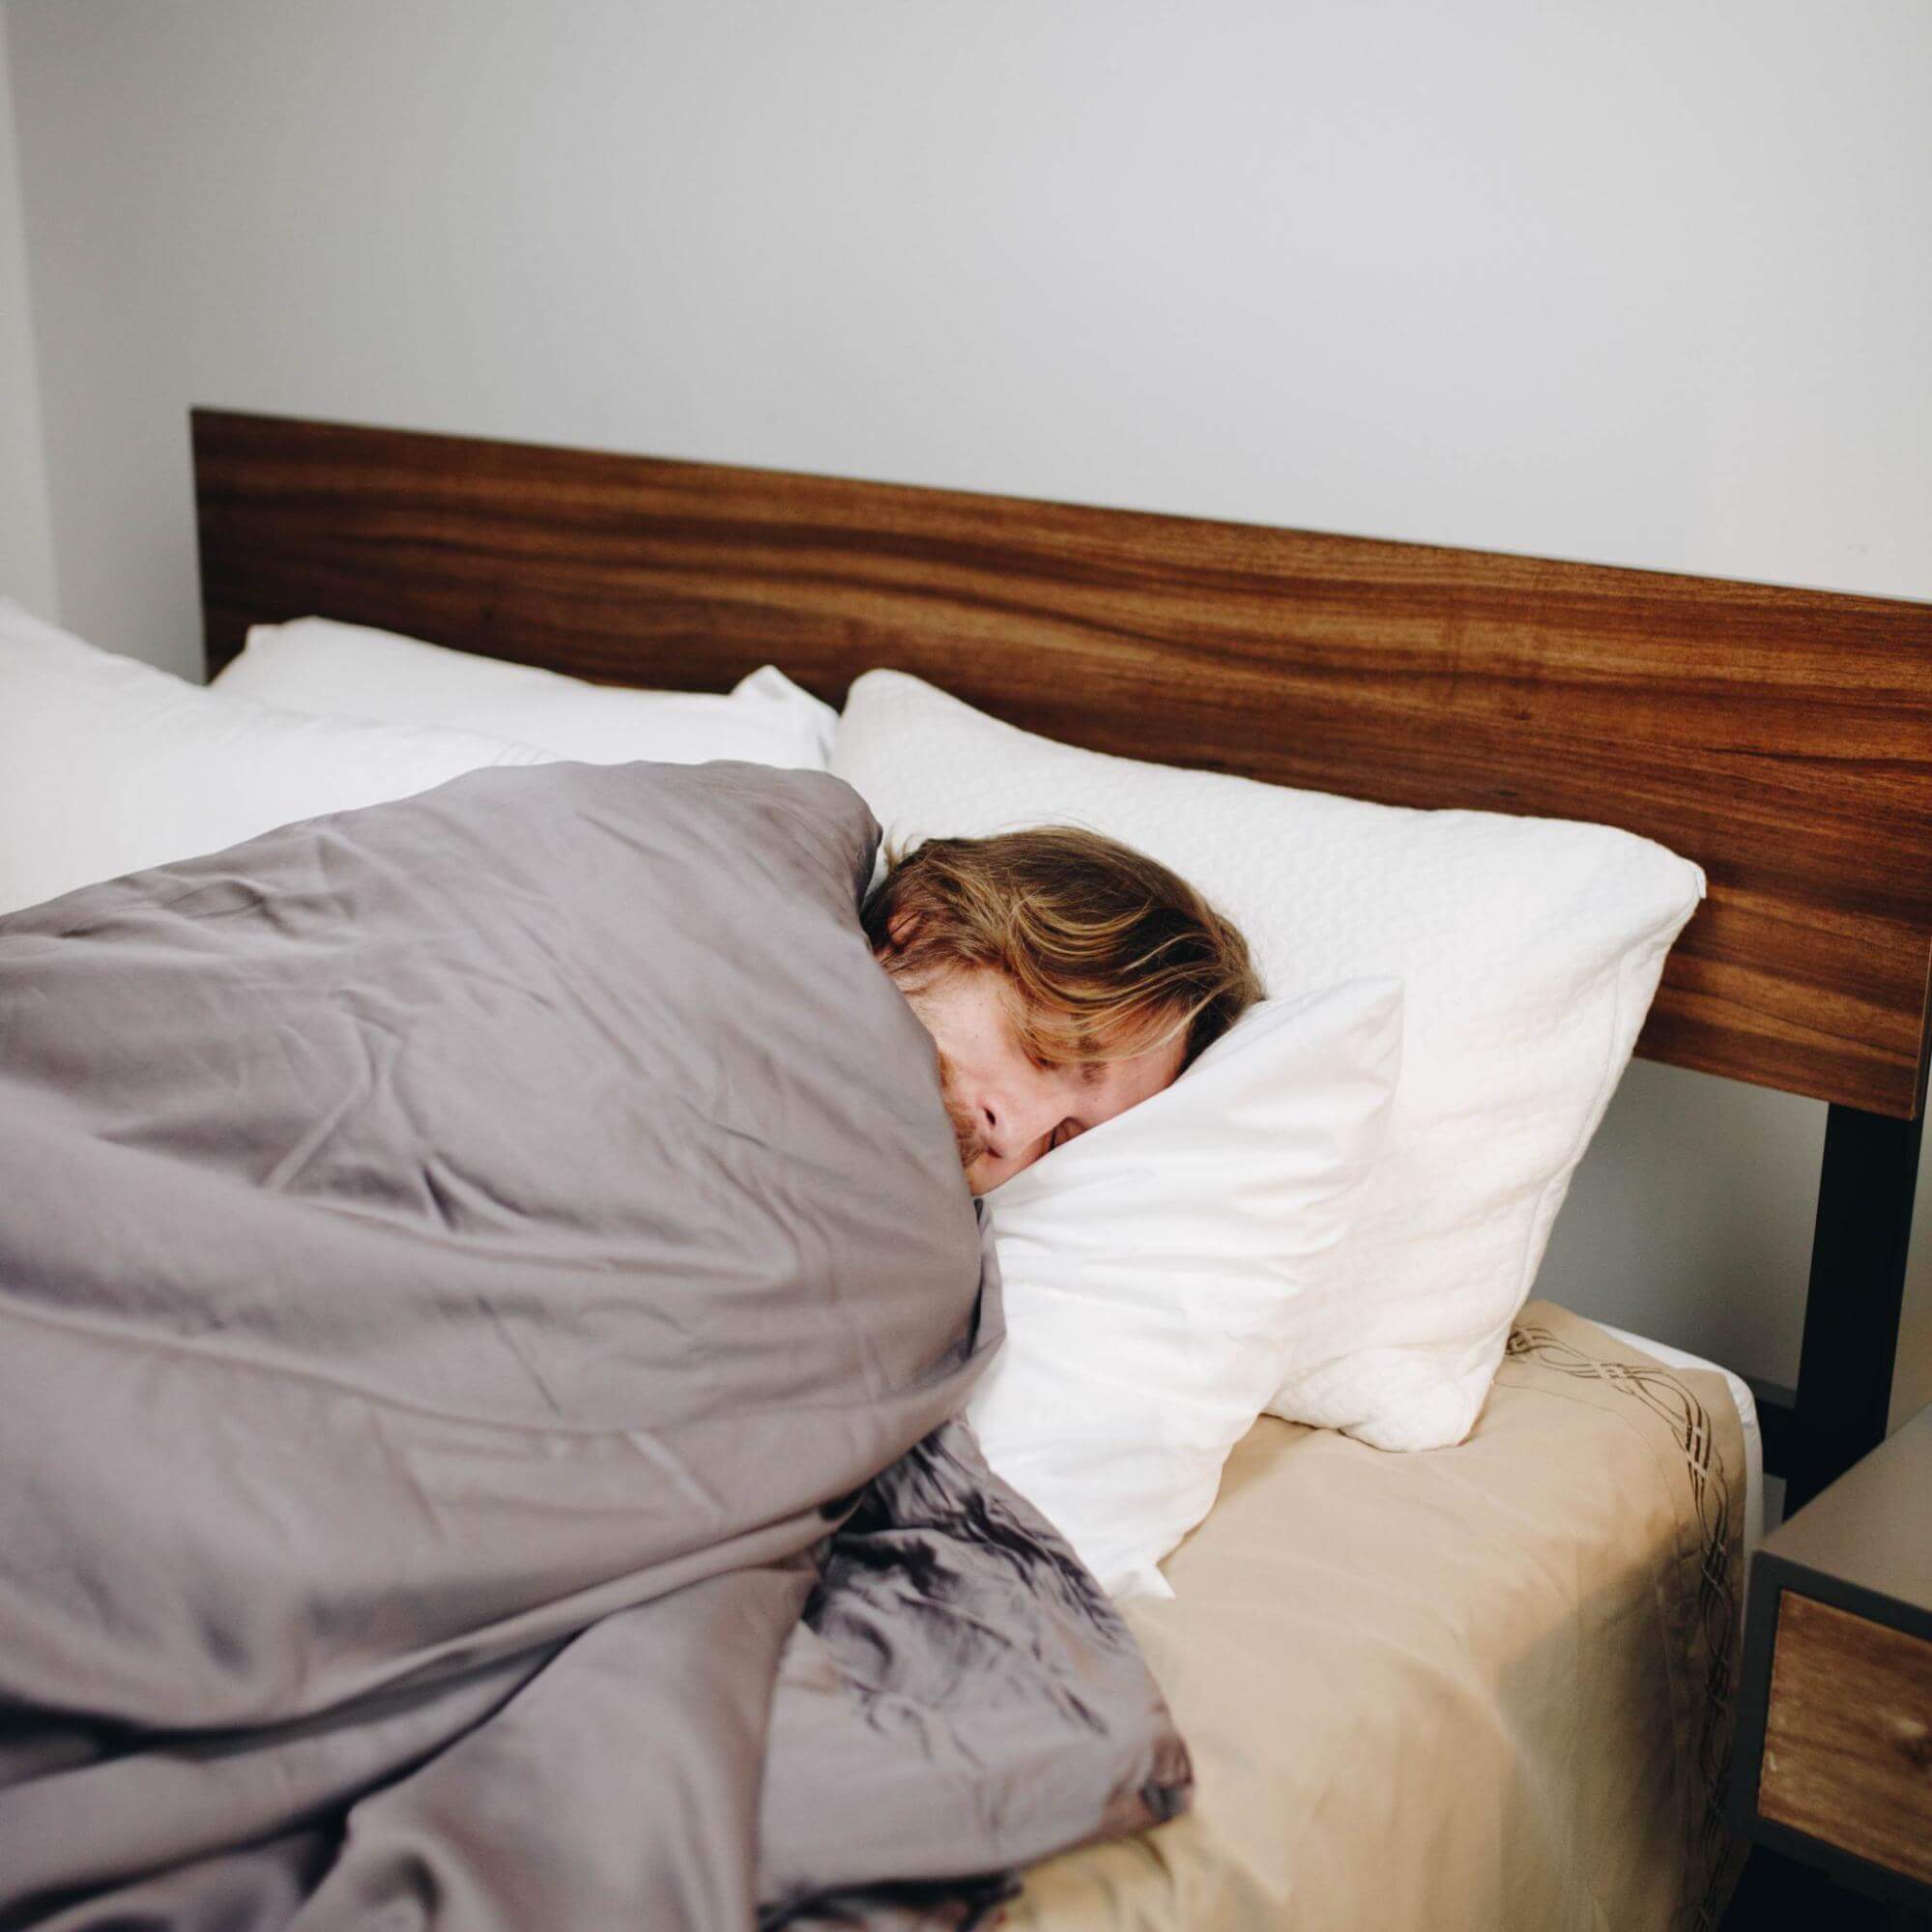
483, 1284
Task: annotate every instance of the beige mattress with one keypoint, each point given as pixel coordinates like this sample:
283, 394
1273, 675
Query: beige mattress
1480, 1687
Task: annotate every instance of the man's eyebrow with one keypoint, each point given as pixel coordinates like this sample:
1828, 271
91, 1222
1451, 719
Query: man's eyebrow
1092, 1072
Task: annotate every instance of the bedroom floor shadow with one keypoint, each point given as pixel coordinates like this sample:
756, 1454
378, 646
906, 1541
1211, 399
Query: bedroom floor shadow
1775, 1892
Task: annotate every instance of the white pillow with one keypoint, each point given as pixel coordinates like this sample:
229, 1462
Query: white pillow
323, 668
1528, 948
108, 765
1151, 1265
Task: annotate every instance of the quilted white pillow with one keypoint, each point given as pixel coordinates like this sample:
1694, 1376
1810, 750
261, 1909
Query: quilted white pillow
108, 765
1151, 1268
327, 668
1528, 948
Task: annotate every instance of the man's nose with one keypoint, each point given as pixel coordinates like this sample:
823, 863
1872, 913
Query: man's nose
1012, 1119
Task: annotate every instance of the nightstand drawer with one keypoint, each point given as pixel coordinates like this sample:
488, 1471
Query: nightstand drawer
1848, 1735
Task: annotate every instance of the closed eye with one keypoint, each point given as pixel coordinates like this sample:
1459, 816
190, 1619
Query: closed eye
1066, 1130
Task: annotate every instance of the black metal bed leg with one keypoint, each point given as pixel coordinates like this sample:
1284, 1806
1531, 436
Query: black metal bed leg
1855, 1294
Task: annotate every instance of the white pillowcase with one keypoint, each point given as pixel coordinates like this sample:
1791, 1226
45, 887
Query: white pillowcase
1528, 948
108, 765
327, 668
1151, 1266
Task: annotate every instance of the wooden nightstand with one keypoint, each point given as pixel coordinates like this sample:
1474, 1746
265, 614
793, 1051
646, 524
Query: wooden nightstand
1833, 1756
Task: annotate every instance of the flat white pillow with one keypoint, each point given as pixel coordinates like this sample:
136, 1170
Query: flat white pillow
1528, 949
1151, 1268
327, 668
108, 765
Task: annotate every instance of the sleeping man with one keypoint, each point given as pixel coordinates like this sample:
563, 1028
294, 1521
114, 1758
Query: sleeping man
1063, 979
485, 1294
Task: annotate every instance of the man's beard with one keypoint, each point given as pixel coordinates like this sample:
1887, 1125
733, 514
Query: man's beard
965, 1131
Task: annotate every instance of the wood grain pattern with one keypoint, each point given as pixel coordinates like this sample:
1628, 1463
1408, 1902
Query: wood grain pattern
1848, 1735
1781, 739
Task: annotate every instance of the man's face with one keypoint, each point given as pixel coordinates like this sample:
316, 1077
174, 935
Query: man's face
1007, 1107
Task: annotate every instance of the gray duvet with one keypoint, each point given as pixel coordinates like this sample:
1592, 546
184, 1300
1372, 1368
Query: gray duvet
485, 1283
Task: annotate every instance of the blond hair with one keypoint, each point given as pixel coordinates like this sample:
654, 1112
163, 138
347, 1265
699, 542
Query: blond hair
1109, 954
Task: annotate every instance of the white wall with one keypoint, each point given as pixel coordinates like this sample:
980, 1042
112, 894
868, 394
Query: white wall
26, 525
1643, 284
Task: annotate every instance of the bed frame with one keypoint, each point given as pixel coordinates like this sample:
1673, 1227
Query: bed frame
1781, 739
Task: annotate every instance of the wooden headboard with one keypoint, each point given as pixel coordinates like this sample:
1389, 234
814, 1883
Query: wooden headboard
1781, 739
